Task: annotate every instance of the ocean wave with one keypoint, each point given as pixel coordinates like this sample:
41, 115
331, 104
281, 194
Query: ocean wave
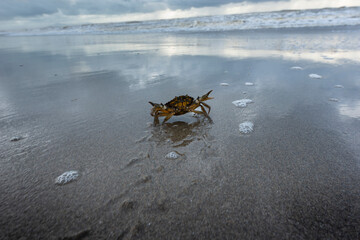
266, 20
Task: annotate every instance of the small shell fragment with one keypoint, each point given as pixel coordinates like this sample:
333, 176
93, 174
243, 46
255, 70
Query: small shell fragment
172, 155
17, 138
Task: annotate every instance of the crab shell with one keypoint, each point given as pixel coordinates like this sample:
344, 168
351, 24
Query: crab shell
180, 105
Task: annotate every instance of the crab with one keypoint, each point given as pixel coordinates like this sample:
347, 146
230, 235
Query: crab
179, 106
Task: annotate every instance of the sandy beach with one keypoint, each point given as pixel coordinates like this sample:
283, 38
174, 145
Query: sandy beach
80, 103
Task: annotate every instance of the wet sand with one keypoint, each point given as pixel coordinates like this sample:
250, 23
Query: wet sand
81, 103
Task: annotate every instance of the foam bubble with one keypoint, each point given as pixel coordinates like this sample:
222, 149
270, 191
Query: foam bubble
339, 86
224, 84
249, 84
314, 75
242, 102
297, 68
246, 127
67, 177
172, 155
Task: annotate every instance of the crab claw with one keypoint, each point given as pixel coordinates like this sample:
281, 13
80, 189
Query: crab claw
206, 96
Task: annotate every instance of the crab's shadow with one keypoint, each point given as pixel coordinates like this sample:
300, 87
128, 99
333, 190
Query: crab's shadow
180, 133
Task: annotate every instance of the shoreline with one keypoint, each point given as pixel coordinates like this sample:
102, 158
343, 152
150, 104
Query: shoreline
235, 31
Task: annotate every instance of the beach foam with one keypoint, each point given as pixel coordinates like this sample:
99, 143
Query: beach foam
314, 75
224, 84
67, 177
242, 102
246, 127
339, 86
249, 84
297, 68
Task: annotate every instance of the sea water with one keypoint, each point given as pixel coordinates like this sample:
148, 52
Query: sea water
264, 20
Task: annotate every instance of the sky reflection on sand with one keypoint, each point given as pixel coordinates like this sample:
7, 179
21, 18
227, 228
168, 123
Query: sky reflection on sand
330, 48
351, 109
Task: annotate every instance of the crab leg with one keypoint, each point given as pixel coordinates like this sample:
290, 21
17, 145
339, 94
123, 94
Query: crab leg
206, 106
203, 109
203, 112
156, 118
168, 116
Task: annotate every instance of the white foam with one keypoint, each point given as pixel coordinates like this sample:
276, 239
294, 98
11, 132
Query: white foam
172, 155
333, 99
242, 102
314, 75
246, 127
67, 177
297, 68
249, 84
339, 86
224, 84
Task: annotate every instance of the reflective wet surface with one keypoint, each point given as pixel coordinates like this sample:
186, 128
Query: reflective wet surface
80, 103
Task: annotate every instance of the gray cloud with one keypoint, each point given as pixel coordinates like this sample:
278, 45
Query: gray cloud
186, 4
21, 8
113, 7
10, 9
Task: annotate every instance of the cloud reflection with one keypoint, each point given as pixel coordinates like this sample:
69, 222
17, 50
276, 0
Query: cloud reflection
350, 109
323, 48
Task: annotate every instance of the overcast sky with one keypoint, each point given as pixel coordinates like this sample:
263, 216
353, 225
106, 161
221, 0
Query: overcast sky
19, 14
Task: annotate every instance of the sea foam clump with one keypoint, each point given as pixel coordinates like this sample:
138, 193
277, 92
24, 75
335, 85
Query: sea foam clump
172, 155
314, 75
249, 84
246, 127
67, 177
242, 102
224, 84
339, 86
297, 68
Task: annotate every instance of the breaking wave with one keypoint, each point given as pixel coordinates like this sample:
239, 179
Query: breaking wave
266, 20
